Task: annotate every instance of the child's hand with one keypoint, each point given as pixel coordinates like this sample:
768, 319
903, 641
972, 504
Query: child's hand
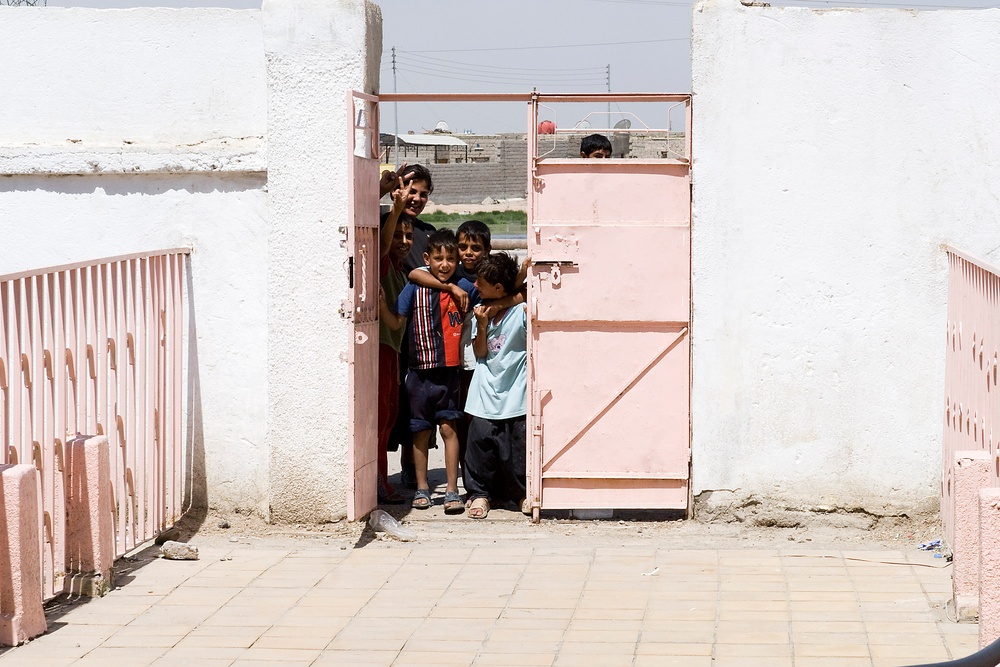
401, 196
459, 296
481, 316
389, 180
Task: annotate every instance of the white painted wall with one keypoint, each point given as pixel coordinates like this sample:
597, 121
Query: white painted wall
317, 51
835, 152
140, 130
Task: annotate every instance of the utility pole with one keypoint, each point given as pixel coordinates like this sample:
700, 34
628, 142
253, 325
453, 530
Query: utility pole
395, 113
609, 101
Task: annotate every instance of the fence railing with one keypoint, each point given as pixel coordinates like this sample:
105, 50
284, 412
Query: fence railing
972, 372
96, 348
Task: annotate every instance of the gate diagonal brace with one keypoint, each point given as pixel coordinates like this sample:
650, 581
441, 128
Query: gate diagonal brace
618, 396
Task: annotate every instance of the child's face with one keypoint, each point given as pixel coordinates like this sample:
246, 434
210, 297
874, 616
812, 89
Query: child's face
599, 153
488, 291
419, 192
441, 262
402, 240
470, 250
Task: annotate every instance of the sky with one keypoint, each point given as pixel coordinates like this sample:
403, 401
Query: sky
513, 46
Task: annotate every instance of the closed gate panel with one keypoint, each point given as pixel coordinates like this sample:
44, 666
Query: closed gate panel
609, 358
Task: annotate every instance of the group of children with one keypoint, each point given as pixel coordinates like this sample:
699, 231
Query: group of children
453, 311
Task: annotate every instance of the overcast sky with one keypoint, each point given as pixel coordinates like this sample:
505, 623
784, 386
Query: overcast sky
511, 46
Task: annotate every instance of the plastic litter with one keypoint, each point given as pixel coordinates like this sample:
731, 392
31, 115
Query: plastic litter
930, 546
382, 521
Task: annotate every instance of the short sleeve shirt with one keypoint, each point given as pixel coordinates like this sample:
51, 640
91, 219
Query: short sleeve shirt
499, 388
435, 325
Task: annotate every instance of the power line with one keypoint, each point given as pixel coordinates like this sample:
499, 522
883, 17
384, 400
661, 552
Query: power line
413, 54
556, 46
518, 76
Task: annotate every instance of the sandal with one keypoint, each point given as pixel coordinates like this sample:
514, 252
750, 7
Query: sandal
479, 508
388, 495
421, 499
453, 503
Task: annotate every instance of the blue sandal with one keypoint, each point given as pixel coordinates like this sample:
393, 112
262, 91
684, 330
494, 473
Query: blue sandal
421, 499
453, 503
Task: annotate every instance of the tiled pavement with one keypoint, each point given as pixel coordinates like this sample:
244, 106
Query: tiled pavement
513, 602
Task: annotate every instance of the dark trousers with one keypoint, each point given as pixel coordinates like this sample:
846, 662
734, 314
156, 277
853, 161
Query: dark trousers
495, 459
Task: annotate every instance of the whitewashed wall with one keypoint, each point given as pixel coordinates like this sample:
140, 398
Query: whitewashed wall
835, 152
143, 129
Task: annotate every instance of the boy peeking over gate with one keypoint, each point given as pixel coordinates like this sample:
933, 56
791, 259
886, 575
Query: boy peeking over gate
433, 383
595, 146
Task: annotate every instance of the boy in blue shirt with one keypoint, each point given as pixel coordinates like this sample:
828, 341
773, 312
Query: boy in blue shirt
495, 452
433, 382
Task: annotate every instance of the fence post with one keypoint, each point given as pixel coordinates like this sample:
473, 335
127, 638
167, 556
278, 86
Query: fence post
972, 472
21, 614
90, 528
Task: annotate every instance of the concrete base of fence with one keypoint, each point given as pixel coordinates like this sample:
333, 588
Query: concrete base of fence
973, 471
989, 566
21, 615
90, 529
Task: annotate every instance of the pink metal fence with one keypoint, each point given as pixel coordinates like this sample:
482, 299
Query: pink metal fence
95, 348
972, 407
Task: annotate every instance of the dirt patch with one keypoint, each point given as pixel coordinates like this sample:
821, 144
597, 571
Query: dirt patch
763, 528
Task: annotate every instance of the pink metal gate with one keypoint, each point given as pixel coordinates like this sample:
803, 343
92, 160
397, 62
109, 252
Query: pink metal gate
609, 299
96, 348
972, 367
362, 307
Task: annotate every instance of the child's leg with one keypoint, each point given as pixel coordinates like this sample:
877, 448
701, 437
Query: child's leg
388, 397
480, 459
450, 437
512, 449
420, 449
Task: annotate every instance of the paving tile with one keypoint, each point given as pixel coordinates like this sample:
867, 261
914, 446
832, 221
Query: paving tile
673, 661
507, 659
783, 650
649, 648
356, 658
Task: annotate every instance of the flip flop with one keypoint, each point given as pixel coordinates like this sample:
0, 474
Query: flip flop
453, 503
421, 499
479, 508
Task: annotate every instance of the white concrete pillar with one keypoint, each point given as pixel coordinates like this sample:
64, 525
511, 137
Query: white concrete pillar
316, 51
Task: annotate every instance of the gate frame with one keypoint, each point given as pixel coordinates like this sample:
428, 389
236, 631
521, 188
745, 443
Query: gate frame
532, 100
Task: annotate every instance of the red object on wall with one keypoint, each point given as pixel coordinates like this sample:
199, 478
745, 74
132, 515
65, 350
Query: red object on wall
546, 127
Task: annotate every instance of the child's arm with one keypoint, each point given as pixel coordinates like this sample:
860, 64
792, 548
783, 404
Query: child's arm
482, 321
392, 320
389, 228
425, 279
505, 302
387, 181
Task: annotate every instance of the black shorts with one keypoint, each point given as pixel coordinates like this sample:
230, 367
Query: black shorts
434, 397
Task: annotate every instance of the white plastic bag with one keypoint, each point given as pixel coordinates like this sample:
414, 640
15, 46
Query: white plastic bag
382, 521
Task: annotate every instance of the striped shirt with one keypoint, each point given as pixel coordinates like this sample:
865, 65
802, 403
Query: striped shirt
434, 325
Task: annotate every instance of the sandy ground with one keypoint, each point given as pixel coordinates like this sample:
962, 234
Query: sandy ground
751, 527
